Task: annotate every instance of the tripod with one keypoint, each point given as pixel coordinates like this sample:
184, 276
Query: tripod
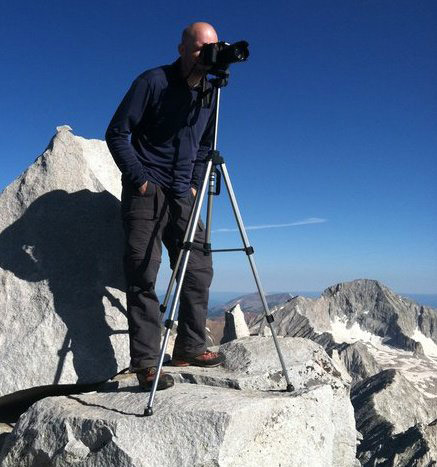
215, 168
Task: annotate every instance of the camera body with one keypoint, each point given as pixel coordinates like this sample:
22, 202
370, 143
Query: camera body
220, 55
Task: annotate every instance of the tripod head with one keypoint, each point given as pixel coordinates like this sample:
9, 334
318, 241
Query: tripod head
221, 80
221, 77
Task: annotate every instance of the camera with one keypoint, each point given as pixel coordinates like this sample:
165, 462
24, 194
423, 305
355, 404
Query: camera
220, 55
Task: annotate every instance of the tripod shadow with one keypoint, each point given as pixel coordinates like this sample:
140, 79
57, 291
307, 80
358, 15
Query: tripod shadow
75, 242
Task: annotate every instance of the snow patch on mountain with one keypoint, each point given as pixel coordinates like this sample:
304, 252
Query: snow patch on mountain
429, 346
342, 333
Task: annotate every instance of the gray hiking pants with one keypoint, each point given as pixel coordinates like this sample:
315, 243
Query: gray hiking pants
149, 220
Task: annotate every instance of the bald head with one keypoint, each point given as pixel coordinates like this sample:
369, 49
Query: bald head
194, 37
199, 31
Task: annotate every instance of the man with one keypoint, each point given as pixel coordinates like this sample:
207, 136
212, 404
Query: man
159, 137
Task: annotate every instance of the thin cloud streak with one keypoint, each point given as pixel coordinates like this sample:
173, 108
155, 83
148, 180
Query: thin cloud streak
310, 220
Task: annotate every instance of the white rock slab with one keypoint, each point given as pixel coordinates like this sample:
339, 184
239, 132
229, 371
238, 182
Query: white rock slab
252, 363
61, 279
192, 426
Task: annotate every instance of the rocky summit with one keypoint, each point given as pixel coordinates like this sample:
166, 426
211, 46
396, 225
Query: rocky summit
238, 415
357, 356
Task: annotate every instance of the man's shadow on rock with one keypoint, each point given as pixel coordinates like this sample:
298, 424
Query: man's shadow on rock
75, 242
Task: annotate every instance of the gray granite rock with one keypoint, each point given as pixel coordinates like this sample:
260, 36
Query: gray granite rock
235, 325
416, 447
358, 360
252, 364
202, 424
61, 284
256, 361
386, 405
192, 425
297, 317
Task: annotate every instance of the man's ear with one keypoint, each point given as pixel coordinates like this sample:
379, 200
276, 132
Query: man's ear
181, 49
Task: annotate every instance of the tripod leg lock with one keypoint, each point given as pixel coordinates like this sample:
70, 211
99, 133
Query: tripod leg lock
169, 323
270, 319
215, 156
162, 309
249, 250
187, 246
207, 249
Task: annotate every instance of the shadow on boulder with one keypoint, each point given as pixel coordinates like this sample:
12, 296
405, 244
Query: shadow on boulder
74, 241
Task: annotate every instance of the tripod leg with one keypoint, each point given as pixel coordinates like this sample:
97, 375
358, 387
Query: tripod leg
211, 193
180, 268
178, 262
249, 252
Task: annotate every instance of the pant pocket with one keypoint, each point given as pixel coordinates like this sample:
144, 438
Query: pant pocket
135, 205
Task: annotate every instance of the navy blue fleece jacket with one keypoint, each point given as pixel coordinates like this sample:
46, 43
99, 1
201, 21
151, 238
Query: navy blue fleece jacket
161, 132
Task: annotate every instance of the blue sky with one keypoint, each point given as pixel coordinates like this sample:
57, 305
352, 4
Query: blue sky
333, 117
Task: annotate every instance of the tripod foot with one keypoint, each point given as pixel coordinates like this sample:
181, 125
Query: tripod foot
290, 388
148, 411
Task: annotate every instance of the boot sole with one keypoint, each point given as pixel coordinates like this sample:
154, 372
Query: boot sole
161, 387
201, 365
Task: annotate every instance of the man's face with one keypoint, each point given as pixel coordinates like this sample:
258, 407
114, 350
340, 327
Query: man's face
190, 48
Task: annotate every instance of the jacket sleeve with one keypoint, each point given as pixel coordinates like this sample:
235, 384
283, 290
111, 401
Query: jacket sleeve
126, 118
206, 144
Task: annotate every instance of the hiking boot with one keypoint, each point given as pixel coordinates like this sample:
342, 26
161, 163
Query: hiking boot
206, 359
146, 377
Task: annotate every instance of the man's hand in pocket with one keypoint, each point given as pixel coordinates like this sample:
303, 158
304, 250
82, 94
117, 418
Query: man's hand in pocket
142, 189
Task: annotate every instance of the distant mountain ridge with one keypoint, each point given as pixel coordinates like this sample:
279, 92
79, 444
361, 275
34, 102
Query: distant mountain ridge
219, 302
422, 299
347, 311
250, 303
